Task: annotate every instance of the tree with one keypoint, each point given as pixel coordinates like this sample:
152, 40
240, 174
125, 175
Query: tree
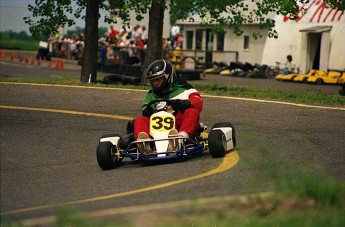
219, 13
89, 60
49, 16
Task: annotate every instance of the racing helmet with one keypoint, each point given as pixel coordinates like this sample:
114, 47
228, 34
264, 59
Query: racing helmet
161, 68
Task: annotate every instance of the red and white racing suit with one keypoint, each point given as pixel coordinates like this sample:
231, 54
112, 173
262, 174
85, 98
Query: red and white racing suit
187, 121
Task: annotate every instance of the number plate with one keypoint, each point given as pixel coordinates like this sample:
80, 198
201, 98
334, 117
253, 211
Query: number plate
162, 121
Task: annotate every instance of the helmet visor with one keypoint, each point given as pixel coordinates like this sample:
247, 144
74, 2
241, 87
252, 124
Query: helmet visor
153, 76
157, 83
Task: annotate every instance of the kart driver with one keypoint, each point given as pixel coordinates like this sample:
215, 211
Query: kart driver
185, 101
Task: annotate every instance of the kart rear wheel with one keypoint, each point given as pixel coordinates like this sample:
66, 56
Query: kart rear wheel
106, 156
217, 143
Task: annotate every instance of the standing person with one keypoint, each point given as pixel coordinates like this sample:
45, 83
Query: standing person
185, 101
129, 29
290, 66
73, 48
175, 31
144, 34
113, 32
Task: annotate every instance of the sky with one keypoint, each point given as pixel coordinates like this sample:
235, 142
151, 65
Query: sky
13, 11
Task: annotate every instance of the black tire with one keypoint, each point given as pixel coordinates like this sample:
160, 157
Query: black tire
189, 74
305, 80
227, 124
106, 157
342, 90
113, 79
217, 143
319, 81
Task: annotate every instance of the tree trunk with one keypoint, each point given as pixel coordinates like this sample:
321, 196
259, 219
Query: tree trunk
154, 41
90, 55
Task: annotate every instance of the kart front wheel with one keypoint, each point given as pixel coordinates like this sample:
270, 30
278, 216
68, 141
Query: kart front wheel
106, 156
217, 143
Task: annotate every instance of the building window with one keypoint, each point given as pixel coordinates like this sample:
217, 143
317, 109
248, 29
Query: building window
198, 39
189, 39
220, 40
246, 42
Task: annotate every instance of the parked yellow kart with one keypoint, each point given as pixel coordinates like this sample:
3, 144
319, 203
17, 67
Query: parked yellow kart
342, 79
288, 77
304, 77
332, 77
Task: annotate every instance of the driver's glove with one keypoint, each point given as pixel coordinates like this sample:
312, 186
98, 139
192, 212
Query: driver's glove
180, 104
147, 111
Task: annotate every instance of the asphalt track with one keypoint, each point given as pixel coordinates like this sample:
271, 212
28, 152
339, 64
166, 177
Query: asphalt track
49, 135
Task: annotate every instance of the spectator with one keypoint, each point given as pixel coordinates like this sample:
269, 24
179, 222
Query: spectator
290, 66
180, 41
144, 35
64, 50
175, 31
113, 32
80, 45
129, 29
103, 53
166, 48
73, 48
137, 31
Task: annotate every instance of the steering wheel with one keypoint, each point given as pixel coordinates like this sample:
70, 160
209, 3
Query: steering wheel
165, 108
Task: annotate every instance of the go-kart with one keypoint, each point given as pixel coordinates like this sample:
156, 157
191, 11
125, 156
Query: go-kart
113, 148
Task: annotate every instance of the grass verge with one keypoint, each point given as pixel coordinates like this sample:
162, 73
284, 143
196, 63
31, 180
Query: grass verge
304, 201
307, 98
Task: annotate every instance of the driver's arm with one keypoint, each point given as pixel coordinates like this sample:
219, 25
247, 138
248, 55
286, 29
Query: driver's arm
147, 110
196, 101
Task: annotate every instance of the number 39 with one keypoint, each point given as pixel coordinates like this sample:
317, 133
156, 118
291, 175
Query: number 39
160, 123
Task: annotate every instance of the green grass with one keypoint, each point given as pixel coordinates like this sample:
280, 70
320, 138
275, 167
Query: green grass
306, 98
316, 98
19, 44
313, 201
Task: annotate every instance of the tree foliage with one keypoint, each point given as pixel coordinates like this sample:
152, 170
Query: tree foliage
49, 15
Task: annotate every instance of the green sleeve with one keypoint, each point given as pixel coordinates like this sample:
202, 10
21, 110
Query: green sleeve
148, 98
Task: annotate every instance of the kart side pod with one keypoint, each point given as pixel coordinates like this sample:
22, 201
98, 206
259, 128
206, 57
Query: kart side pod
112, 139
221, 139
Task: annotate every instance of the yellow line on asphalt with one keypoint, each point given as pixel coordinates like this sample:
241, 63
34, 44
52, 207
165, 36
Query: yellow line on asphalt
74, 86
230, 160
67, 112
203, 95
275, 102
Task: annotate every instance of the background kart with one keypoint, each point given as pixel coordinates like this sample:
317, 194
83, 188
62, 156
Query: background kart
113, 148
331, 77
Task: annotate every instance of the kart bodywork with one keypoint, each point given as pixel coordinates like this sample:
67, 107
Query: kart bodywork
305, 77
112, 149
332, 77
288, 77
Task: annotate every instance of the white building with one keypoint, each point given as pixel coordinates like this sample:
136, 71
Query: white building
315, 40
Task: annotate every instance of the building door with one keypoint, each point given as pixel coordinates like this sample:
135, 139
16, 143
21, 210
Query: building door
315, 48
314, 40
